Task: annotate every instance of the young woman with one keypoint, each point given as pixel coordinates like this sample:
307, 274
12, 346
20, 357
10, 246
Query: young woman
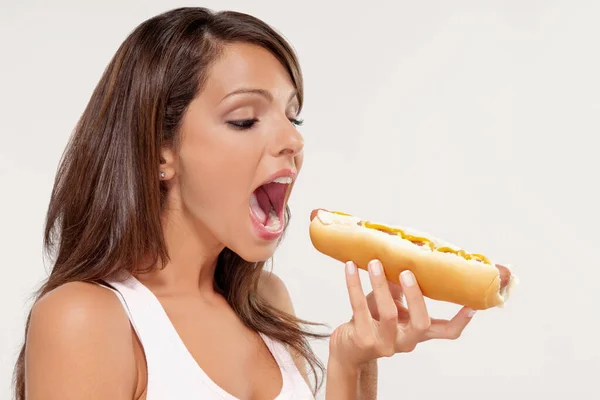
171, 195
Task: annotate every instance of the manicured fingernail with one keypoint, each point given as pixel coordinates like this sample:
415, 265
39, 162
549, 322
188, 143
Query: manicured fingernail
350, 267
471, 313
375, 267
407, 278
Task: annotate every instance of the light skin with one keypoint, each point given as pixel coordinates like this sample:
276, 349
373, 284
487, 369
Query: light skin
80, 343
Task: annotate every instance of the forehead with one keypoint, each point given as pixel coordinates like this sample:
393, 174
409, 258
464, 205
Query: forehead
247, 66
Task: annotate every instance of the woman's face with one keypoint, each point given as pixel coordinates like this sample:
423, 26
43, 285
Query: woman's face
240, 152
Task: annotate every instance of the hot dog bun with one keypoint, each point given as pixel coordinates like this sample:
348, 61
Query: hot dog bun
443, 271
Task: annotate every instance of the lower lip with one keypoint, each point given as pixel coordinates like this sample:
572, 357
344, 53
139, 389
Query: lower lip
263, 232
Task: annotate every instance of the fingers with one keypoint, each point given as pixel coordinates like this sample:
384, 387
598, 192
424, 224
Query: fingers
397, 296
396, 291
399, 328
360, 309
386, 307
418, 315
442, 329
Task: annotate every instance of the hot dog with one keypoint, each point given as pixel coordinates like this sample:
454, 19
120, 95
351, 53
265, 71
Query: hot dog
444, 271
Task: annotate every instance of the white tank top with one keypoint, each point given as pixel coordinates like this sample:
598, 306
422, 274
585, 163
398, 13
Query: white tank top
172, 371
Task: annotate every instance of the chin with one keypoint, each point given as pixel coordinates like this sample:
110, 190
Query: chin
257, 244
255, 252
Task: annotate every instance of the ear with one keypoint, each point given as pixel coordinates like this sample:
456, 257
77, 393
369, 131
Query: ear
167, 164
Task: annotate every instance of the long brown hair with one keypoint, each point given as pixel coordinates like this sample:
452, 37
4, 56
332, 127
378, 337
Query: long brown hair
104, 213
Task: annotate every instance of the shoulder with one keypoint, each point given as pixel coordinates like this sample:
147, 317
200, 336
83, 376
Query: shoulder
79, 344
75, 297
274, 291
77, 308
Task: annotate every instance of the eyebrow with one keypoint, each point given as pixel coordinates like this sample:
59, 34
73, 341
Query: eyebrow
261, 92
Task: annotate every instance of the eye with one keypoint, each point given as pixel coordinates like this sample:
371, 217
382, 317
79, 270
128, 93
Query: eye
242, 124
296, 121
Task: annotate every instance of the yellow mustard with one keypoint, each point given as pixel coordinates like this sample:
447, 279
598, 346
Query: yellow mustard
482, 258
383, 228
425, 241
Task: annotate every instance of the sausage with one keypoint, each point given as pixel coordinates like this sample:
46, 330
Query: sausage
504, 275
314, 213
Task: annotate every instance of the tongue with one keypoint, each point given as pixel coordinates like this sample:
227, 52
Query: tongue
262, 205
276, 192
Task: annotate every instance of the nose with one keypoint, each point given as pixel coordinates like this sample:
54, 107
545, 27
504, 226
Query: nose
288, 141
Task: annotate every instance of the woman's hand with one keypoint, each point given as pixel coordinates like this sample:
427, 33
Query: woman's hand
381, 325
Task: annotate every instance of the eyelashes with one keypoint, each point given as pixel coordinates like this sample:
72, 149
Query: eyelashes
245, 124
242, 124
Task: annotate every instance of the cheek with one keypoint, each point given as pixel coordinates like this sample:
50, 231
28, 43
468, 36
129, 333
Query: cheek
299, 161
216, 174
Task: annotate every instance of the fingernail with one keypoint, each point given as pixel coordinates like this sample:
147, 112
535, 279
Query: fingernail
375, 267
350, 267
407, 278
471, 313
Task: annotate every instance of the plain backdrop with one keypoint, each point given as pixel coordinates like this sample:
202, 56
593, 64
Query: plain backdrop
477, 121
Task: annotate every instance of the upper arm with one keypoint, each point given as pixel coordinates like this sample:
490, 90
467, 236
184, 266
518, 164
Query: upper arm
79, 345
274, 291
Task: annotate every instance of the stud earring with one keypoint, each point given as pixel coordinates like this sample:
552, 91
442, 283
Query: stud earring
163, 174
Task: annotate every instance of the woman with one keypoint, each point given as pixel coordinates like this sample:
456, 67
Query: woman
170, 197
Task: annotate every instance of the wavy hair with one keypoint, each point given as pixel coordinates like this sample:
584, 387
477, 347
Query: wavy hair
104, 213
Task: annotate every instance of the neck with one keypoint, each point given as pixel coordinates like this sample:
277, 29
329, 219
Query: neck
193, 253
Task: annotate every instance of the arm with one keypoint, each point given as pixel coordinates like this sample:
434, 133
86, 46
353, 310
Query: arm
351, 384
79, 346
367, 385
340, 382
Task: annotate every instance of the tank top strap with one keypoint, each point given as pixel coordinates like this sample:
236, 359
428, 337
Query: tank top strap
280, 352
123, 302
294, 385
172, 370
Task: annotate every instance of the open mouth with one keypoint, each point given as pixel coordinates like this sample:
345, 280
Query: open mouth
267, 204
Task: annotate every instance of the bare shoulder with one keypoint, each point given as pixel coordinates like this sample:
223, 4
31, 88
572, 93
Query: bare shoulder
79, 345
275, 292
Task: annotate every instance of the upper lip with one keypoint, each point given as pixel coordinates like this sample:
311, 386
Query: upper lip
291, 173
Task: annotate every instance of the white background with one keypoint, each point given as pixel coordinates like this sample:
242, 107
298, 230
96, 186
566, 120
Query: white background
477, 121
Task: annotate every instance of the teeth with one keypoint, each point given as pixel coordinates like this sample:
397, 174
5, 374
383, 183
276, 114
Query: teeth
283, 179
273, 222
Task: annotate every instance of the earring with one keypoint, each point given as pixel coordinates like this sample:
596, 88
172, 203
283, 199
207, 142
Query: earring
163, 174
